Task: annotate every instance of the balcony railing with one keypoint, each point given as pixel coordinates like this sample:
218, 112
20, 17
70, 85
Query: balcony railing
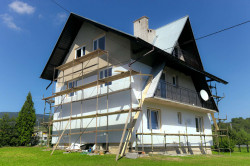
181, 94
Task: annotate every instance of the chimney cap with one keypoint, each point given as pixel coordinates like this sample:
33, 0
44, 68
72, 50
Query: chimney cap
141, 18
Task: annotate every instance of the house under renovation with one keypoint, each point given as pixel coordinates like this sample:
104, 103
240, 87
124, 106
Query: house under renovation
146, 92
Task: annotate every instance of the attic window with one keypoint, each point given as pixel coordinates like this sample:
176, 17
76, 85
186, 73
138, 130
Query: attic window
80, 52
99, 43
176, 52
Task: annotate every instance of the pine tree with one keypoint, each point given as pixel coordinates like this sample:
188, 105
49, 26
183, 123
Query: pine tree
26, 121
7, 128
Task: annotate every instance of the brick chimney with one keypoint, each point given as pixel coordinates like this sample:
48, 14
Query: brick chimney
142, 31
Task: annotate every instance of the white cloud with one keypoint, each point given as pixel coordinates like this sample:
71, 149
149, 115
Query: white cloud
21, 7
40, 16
60, 18
8, 20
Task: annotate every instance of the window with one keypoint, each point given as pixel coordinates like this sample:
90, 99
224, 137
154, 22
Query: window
199, 123
72, 84
153, 119
174, 79
99, 43
80, 52
176, 52
179, 116
104, 74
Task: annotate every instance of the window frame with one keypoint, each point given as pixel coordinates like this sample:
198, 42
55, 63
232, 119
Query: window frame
80, 48
109, 74
74, 85
174, 77
149, 123
200, 126
179, 117
97, 45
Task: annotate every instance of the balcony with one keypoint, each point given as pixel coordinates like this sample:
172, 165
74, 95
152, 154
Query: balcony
182, 95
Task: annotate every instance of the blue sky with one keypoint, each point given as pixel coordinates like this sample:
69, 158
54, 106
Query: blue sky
29, 30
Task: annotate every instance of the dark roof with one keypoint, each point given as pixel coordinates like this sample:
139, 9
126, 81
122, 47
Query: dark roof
71, 29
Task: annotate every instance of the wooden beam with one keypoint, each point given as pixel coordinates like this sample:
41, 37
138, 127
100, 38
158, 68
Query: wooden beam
177, 134
93, 84
93, 131
97, 115
60, 138
82, 59
215, 123
129, 135
93, 97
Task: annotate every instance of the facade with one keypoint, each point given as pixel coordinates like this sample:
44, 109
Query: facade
112, 88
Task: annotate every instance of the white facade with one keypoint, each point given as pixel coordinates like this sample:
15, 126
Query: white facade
169, 115
168, 120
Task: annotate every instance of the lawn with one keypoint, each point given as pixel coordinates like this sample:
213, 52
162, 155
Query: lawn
36, 156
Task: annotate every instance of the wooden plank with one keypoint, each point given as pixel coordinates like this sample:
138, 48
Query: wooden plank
215, 123
60, 138
93, 97
93, 84
97, 115
129, 135
82, 59
177, 134
94, 131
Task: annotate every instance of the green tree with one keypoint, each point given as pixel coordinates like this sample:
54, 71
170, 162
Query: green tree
7, 131
26, 121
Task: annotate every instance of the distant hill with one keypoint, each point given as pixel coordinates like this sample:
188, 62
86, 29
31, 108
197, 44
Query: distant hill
39, 117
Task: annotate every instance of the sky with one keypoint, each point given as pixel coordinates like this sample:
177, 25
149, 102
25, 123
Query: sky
29, 30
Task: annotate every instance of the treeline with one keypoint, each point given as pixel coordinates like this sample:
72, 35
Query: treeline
19, 131
238, 131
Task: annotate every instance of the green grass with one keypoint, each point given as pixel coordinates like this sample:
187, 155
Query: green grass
36, 156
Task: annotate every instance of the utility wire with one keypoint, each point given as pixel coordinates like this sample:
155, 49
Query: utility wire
60, 6
208, 35
189, 41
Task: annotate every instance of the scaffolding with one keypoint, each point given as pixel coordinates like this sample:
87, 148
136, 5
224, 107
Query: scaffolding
76, 74
129, 127
218, 130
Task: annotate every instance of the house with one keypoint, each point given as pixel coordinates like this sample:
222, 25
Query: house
146, 91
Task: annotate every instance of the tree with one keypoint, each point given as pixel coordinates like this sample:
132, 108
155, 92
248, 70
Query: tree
8, 133
26, 121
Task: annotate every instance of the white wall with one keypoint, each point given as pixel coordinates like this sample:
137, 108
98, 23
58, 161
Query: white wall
169, 124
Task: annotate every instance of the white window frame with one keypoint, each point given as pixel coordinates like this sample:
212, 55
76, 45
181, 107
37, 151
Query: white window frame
97, 39
80, 48
149, 120
200, 124
74, 83
108, 75
179, 117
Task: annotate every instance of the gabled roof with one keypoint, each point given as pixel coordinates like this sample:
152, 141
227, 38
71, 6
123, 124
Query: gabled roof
74, 24
168, 35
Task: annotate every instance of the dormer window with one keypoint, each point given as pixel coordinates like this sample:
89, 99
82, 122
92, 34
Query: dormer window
176, 52
99, 43
80, 52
